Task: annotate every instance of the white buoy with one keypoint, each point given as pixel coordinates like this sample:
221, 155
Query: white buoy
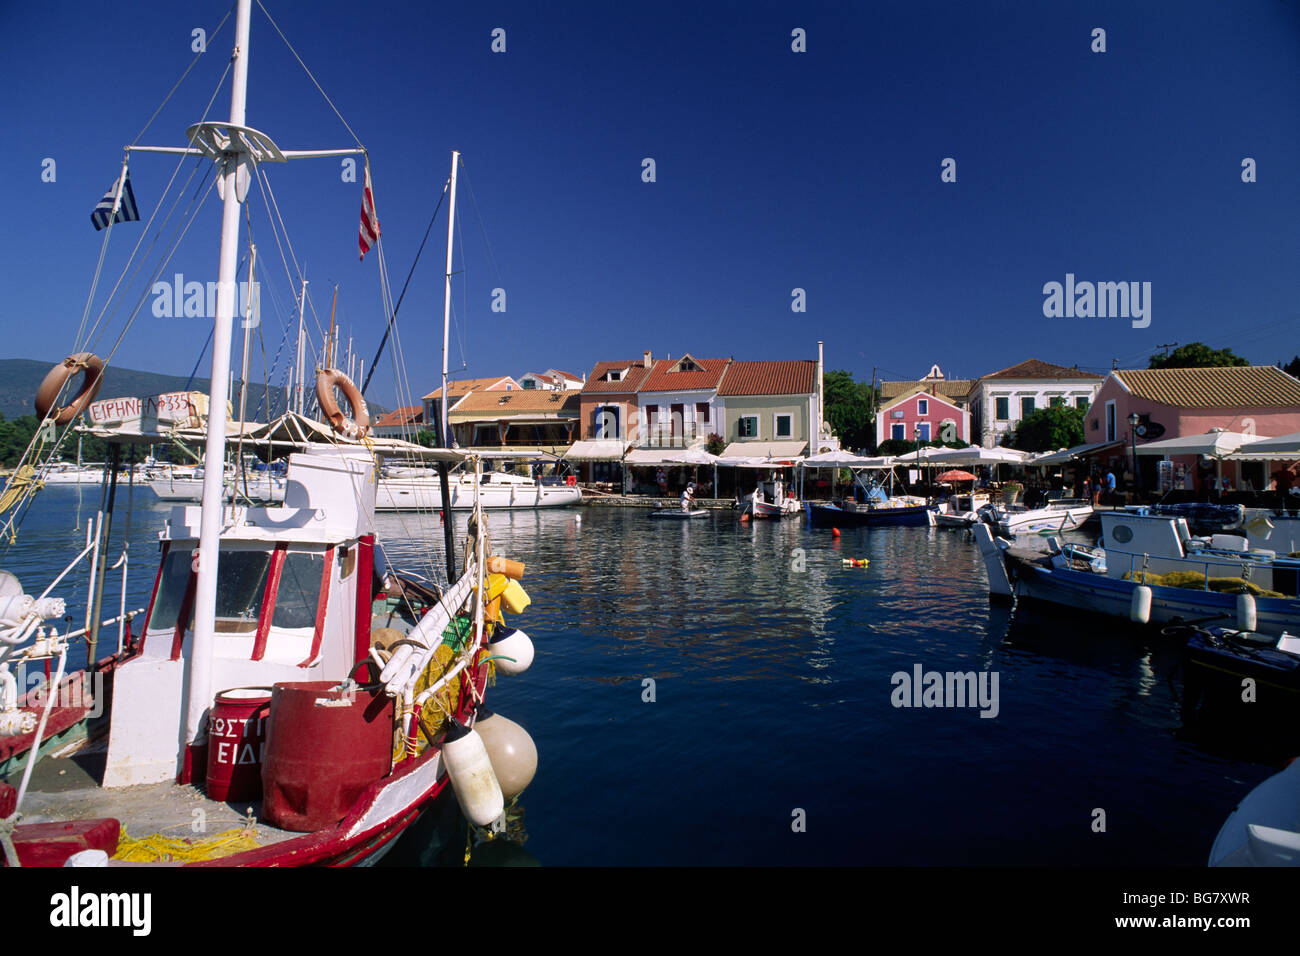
511, 750
87, 858
472, 776
1139, 609
515, 644
1246, 612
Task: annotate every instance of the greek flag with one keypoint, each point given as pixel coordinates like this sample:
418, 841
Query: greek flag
126, 209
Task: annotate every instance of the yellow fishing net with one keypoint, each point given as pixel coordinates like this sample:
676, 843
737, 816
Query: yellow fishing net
1196, 581
163, 849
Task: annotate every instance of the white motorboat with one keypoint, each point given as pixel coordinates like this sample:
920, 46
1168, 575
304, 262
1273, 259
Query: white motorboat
67, 473
1064, 514
1264, 829
260, 488
418, 489
959, 511
771, 500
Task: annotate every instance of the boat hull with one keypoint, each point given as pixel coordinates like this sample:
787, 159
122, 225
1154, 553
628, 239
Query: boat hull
826, 516
424, 494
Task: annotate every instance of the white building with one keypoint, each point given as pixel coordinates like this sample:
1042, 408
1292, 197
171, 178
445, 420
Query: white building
1000, 400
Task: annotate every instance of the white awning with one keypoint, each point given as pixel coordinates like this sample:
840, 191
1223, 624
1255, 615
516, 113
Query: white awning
844, 459
597, 449
651, 456
764, 449
1070, 454
1216, 444
1284, 447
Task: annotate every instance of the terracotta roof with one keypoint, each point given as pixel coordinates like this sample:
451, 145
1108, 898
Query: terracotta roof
636, 372
529, 401
406, 415
769, 378
464, 386
947, 387
661, 379
1035, 368
1245, 385
568, 375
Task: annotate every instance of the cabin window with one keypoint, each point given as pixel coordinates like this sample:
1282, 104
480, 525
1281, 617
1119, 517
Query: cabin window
923, 406
784, 426
747, 426
171, 590
1004, 409
241, 588
299, 593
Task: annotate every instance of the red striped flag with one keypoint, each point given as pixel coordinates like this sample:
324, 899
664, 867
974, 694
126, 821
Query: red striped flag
369, 221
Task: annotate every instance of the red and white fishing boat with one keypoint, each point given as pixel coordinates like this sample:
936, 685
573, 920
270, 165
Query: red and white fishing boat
287, 700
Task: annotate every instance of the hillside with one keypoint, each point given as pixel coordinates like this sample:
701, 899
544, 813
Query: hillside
19, 379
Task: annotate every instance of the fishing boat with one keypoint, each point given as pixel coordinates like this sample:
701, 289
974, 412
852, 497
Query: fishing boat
904, 511
1264, 829
770, 499
1095, 579
1221, 662
287, 688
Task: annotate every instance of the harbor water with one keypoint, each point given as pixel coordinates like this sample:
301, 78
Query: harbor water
715, 692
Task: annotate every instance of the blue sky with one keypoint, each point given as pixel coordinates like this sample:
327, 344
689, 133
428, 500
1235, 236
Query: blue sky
775, 170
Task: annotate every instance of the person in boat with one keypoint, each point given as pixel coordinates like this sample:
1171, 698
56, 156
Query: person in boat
688, 497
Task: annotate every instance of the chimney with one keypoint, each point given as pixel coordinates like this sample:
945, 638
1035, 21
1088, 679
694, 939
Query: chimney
648, 360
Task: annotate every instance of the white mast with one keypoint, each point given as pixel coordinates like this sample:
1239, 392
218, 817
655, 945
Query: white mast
298, 370
205, 595
446, 297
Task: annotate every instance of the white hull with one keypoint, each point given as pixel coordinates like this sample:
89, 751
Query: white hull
1052, 518
260, 489
425, 494
1264, 830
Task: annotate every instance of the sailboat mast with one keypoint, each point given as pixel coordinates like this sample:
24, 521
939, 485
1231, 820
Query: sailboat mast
446, 295
298, 369
205, 594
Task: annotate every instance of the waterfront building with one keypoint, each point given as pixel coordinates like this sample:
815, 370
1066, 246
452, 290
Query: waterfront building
457, 390
768, 408
1178, 402
553, 378
400, 423
522, 420
922, 414
999, 400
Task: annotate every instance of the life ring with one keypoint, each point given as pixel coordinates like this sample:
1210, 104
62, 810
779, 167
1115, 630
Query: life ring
92, 368
356, 427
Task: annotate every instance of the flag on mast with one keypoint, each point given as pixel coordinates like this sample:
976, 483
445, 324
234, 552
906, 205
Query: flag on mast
369, 233
115, 208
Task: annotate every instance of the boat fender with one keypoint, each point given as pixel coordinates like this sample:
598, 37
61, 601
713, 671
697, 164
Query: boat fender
511, 750
513, 650
515, 598
327, 380
472, 778
1246, 618
1139, 609
511, 569
48, 392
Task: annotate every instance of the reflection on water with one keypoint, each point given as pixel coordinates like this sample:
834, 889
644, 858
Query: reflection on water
771, 664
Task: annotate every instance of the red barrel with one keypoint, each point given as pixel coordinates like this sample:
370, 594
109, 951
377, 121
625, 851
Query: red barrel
323, 749
236, 732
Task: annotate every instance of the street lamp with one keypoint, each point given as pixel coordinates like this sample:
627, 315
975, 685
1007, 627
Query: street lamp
1133, 420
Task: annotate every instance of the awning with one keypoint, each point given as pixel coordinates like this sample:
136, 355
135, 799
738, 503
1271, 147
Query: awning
832, 459
1070, 454
598, 449
764, 449
1216, 444
652, 456
1285, 447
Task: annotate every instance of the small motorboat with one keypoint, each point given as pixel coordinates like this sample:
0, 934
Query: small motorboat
678, 513
1264, 830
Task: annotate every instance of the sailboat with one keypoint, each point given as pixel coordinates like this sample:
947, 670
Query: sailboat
287, 700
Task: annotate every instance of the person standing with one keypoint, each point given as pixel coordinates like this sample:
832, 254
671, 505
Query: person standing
661, 479
1110, 488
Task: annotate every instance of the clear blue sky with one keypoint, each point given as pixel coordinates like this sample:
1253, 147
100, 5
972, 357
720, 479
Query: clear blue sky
775, 170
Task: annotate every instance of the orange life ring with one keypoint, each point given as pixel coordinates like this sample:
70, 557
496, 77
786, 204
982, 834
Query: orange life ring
326, 381
92, 368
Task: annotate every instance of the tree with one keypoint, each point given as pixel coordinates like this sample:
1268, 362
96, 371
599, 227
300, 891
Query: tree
1292, 367
849, 408
1197, 355
1047, 429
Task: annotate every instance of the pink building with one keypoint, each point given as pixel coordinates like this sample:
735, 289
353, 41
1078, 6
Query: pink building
1172, 403
922, 412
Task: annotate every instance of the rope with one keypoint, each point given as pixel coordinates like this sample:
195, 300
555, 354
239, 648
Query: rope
309, 73
193, 63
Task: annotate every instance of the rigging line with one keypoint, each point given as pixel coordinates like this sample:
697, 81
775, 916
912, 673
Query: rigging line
145, 231
393, 317
193, 63
264, 184
308, 72
496, 269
